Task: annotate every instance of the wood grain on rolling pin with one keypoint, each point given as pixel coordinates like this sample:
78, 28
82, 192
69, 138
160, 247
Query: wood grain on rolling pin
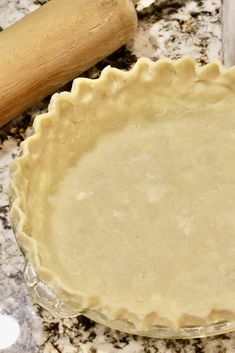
54, 44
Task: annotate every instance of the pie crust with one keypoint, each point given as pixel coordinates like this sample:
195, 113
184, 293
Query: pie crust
124, 196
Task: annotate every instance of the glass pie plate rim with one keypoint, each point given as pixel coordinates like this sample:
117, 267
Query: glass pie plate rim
44, 296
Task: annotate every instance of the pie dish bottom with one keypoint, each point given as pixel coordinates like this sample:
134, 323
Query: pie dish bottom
44, 296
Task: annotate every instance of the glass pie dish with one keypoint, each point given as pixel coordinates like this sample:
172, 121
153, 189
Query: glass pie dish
44, 296
170, 107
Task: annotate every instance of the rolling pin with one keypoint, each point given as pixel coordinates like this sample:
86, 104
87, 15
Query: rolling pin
56, 43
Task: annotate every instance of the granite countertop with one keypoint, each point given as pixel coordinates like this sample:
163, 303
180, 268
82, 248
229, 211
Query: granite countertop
166, 29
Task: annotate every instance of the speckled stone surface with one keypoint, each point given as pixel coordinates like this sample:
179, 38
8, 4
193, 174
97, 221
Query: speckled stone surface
166, 29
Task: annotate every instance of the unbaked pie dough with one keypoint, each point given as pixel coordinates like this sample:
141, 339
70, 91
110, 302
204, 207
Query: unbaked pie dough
125, 194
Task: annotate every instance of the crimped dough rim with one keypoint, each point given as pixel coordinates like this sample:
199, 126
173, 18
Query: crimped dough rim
185, 74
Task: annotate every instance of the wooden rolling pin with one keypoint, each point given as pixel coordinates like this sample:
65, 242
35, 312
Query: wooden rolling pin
56, 43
